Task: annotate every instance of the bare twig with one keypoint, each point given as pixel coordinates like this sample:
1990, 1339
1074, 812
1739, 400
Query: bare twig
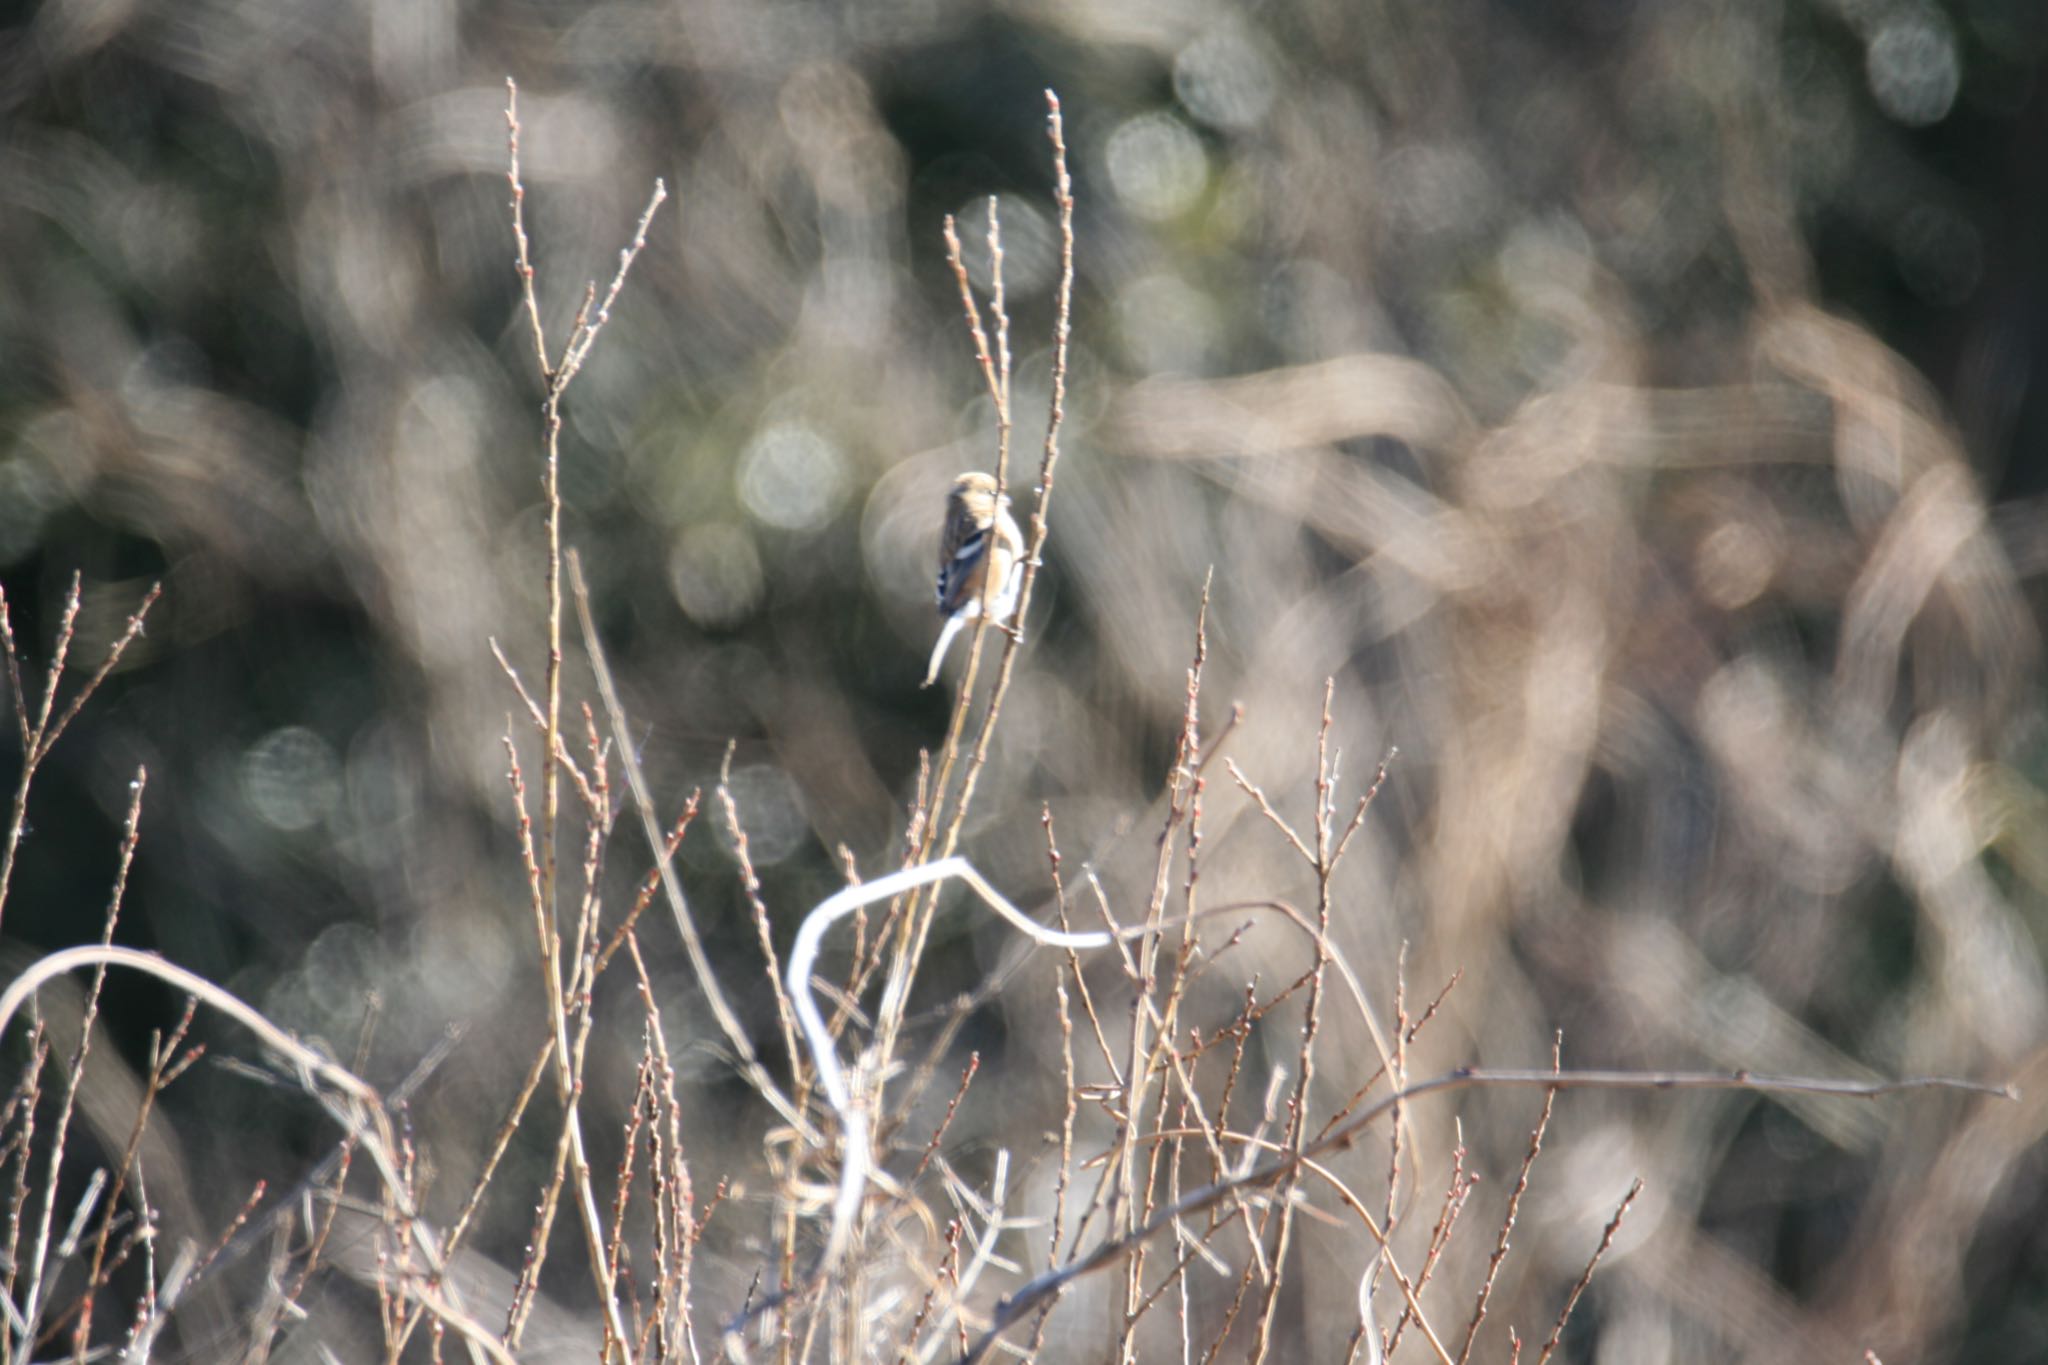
1027, 1297
568, 1077
39, 734
35, 1301
1586, 1277
1507, 1222
349, 1101
686, 926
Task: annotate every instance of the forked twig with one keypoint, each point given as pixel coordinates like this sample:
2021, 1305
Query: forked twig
40, 735
568, 1061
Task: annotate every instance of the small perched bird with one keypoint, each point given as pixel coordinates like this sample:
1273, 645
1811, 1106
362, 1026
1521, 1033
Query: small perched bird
981, 560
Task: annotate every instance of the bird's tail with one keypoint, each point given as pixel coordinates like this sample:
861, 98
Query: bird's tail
953, 624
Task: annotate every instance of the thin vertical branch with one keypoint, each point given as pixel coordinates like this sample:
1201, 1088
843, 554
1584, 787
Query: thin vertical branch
736, 1035
568, 1058
941, 830
39, 735
1327, 851
996, 375
17, 698
1507, 1226
1586, 1278
131, 832
540, 341
37, 1300
1062, 333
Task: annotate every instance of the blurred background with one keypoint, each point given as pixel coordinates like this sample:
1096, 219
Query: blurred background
1637, 409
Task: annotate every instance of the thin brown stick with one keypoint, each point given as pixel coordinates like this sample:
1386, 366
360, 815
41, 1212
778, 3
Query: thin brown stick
750, 887
649, 884
956, 723
165, 1065
1063, 193
936, 846
319, 1243
915, 926
26, 1097
39, 736
540, 341
35, 1300
1102, 1047
952, 1107
1344, 1111
686, 926
676, 1230
1507, 1223
107, 665
637, 1114
1456, 1192
584, 336
540, 724
568, 1057
1586, 1277
500, 1141
1063, 1174
1325, 862
17, 697
547, 928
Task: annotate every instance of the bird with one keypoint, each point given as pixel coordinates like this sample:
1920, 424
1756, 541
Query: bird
981, 560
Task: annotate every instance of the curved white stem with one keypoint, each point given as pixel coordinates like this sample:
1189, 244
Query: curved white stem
857, 1153
364, 1117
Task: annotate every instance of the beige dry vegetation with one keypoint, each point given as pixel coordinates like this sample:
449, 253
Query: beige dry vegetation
1656, 1001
